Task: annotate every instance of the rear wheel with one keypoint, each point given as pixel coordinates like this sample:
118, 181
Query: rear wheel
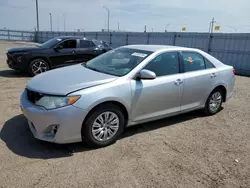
38, 66
103, 126
214, 102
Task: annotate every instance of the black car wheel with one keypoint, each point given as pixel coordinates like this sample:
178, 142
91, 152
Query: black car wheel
38, 66
103, 126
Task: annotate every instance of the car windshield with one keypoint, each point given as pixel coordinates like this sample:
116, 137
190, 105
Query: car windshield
117, 62
105, 44
50, 43
98, 43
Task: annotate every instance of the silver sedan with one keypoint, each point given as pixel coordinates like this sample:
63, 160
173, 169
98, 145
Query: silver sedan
95, 101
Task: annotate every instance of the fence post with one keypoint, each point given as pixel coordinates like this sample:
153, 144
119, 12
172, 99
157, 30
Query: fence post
127, 39
110, 39
174, 39
8, 34
210, 36
22, 34
46, 36
96, 34
84, 34
148, 38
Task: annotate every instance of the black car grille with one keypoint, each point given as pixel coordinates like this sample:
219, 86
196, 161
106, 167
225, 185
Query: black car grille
10, 59
33, 96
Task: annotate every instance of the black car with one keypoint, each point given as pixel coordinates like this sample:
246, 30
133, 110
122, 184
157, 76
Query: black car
56, 52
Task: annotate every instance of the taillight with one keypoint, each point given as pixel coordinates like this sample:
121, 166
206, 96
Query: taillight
234, 71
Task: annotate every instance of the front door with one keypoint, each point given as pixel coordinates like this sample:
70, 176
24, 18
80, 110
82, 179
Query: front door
65, 54
199, 80
159, 97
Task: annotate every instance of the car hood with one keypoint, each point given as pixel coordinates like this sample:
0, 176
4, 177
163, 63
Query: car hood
63, 81
23, 49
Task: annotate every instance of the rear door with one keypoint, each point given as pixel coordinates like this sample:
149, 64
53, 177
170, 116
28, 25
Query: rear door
65, 53
86, 51
199, 79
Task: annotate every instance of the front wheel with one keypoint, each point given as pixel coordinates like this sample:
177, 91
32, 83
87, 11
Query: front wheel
214, 102
38, 66
103, 126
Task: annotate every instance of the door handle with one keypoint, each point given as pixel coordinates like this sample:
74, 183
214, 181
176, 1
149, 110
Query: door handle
178, 82
213, 75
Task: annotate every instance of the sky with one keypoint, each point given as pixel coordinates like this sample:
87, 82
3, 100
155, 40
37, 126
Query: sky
132, 15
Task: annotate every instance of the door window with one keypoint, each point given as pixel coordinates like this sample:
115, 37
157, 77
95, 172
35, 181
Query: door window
209, 65
68, 44
86, 44
164, 64
193, 61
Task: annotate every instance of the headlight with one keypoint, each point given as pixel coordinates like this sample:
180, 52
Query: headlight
51, 102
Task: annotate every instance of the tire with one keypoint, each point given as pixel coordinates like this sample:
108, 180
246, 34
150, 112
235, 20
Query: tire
38, 66
211, 107
92, 121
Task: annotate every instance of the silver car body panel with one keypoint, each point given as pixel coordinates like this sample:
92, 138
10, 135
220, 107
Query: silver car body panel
64, 80
144, 100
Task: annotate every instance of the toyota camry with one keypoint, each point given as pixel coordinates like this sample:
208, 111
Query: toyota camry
94, 101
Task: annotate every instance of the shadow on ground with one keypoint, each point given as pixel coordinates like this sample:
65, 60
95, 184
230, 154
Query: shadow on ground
13, 74
18, 138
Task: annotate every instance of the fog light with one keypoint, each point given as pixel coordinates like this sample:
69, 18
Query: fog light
51, 130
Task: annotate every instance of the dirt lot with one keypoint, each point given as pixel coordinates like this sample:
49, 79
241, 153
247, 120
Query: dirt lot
184, 151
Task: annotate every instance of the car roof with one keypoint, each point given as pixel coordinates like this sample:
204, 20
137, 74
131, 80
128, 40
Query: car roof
154, 48
74, 37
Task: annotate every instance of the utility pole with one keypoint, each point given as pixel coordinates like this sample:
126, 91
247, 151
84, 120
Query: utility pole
108, 15
145, 29
57, 25
50, 18
211, 26
37, 17
118, 26
64, 22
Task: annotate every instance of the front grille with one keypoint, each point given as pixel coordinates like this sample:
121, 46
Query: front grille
33, 96
10, 59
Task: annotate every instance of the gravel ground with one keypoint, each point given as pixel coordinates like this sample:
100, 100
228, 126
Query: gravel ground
189, 150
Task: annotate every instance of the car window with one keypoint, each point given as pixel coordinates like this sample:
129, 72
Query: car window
105, 44
164, 64
118, 62
209, 65
86, 44
68, 44
193, 61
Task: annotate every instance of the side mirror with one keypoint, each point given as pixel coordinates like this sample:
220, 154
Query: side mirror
147, 75
57, 48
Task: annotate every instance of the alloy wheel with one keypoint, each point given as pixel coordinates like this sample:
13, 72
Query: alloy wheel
105, 126
215, 102
39, 67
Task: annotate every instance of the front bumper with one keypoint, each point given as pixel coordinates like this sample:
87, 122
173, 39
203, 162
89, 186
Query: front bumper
14, 64
69, 120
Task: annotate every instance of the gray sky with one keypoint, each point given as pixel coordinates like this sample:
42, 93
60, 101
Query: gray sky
131, 14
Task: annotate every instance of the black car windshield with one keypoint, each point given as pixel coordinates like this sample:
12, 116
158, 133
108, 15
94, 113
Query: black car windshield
50, 43
98, 43
118, 62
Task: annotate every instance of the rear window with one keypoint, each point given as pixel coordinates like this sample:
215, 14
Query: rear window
86, 44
